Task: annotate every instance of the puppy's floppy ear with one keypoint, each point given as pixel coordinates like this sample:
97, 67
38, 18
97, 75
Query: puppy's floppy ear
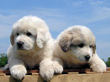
65, 42
94, 49
12, 39
41, 38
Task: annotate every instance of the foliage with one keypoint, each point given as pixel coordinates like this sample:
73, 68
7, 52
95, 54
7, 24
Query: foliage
3, 59
108, 62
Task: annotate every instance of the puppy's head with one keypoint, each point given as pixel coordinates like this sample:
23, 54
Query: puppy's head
28, 33
79, 41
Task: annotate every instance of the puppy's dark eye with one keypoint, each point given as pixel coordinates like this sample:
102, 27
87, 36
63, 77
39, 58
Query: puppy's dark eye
17, 34
91, 46
81, 45
28, 34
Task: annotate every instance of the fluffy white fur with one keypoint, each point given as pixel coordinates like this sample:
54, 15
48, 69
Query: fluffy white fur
31, 45
75, 47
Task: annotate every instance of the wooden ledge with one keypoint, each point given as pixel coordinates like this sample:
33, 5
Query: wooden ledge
68, 75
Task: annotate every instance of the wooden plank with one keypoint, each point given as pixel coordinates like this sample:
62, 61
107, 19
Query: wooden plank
108, 68
73, 72
72, 75
96, 77
27, 78
100, 77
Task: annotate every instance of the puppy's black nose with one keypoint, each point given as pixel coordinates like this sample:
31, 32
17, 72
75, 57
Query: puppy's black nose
20, 44
87, 57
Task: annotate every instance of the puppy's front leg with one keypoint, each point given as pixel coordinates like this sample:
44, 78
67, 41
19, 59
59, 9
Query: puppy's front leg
57, 65
48, 67
97, 64
17, 68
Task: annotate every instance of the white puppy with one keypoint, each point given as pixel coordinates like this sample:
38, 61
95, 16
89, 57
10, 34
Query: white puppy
31, 44
76, 47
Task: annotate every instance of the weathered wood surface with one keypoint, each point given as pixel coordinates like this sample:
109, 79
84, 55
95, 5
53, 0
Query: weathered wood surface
69, 75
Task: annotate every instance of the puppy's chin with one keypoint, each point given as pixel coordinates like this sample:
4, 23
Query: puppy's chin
24, 51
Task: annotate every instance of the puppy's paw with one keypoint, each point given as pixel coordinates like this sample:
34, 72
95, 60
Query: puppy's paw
99, 67
18, 72
57, 68
47, 73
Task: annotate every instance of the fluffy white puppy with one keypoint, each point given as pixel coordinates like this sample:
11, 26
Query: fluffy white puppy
76, 47
31, 44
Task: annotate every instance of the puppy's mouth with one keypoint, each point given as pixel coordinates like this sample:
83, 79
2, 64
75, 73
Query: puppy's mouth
20, 48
